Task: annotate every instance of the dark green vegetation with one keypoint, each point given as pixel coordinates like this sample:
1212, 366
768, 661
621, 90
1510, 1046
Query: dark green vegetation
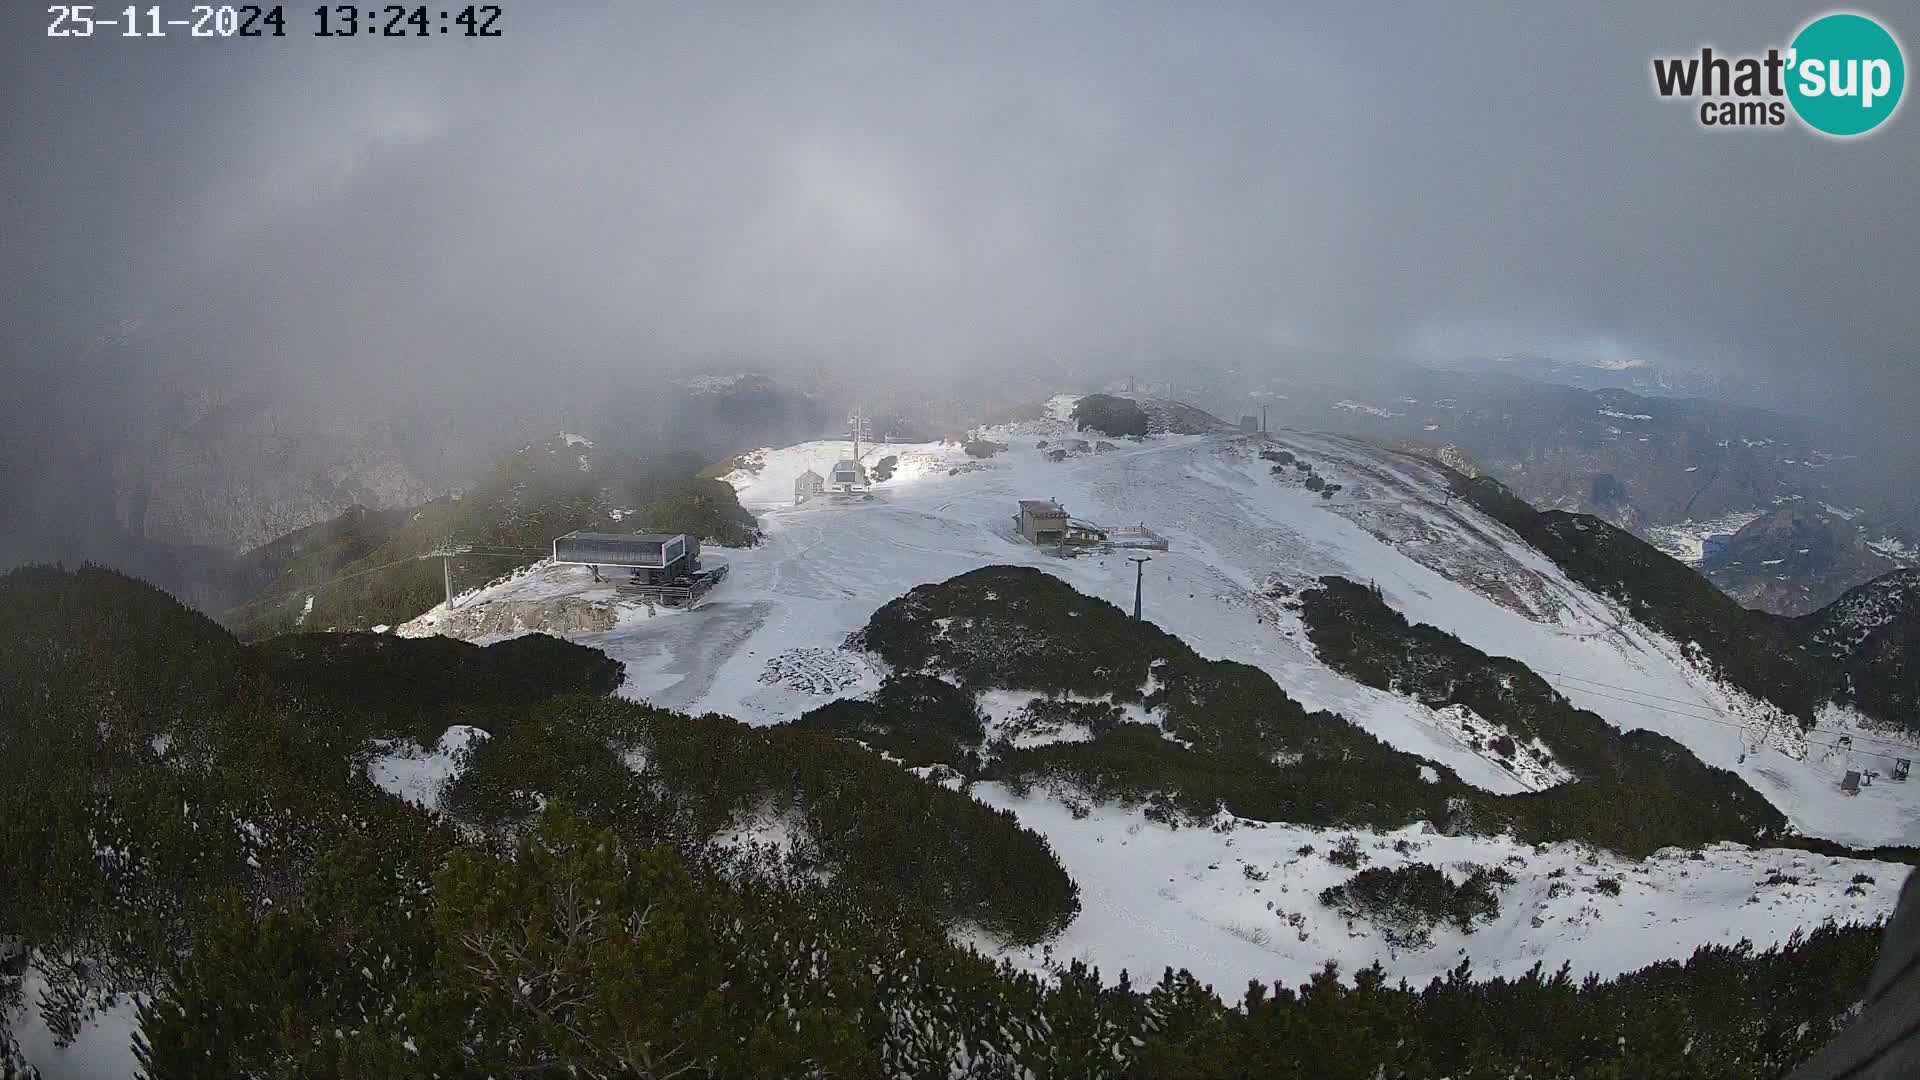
1407, 902
1747, 648
206, 843
886, 838
420, 685
580, 956
917, 718
1229, 738
883, 469
1726, 1012
984, 448
219, 788
1863, 648
1676, 798
1871, 637
1109, 415
530, 497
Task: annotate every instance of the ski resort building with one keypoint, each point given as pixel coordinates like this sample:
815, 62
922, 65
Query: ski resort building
1084, 533
847, 476
1042, 522
808, 485
648, 558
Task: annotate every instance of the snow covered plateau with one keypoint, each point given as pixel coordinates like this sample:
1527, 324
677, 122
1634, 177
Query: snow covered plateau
1239, 901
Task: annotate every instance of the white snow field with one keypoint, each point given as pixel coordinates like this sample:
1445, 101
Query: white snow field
1240, 903
769, 643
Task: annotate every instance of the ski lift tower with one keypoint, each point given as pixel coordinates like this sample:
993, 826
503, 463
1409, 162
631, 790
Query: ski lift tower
446, 551
859, 426
1139, 572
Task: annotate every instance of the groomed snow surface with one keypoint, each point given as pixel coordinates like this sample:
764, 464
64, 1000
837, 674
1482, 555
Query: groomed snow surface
769, 643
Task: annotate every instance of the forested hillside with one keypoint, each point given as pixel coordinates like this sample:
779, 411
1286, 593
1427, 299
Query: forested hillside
370, 565
1189, 737
213, 849
1861, 649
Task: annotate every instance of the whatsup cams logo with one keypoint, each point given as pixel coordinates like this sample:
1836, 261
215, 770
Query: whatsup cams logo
1841, 75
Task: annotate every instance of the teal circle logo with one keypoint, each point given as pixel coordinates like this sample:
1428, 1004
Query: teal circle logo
1845, 74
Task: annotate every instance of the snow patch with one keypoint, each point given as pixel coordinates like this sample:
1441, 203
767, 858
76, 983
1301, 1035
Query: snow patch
711, 384
403, 769
102, 1049
1362, 407
1010, 718
1892, 548
1687, 540
1528, 760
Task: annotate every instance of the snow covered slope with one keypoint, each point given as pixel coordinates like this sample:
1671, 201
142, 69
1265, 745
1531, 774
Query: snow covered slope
766, 645
770, 644
1240, 901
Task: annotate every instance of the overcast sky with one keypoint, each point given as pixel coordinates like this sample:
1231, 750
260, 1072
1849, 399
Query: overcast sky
617, 185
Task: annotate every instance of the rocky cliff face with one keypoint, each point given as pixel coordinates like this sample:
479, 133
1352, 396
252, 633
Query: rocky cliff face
247, 470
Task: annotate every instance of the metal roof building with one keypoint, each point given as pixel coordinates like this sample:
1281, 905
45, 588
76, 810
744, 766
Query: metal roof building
652, 551
848, 473
807, 485
1041, 522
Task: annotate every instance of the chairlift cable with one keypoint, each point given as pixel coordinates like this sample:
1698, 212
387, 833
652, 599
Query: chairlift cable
1732, 724
1895, 743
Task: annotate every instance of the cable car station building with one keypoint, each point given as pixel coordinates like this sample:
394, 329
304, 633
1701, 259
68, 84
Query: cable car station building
644, 558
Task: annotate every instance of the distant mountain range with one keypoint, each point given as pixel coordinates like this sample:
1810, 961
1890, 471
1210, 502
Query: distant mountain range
1797, 558
1676, 470
1637, 375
